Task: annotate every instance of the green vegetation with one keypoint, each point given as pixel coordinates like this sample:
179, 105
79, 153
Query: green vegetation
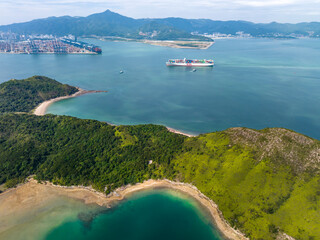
265, 182
71, 151
188, 44
103, 24
115, 25
25, 95
260, 192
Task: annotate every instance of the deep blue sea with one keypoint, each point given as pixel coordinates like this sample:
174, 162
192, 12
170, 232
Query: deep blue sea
256, 83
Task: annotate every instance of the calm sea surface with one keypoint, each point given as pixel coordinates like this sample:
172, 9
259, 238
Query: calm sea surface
157, 215
256, 83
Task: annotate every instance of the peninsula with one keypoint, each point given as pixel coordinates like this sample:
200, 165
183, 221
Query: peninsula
181, 44
190, 43
36, 94
256, 177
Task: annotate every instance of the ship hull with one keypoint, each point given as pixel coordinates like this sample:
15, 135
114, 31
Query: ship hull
189, 64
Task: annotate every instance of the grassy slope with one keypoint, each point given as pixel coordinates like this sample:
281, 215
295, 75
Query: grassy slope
264, 182
25, 95
259, 189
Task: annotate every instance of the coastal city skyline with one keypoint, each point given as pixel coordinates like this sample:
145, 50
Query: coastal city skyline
258, 11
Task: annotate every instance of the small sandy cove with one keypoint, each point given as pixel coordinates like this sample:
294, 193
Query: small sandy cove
42, 108
179, 132
31, 194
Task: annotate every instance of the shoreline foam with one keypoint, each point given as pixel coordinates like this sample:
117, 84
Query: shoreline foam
180, 132
31, 193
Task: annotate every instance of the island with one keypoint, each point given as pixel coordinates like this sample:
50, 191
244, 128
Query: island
257, 184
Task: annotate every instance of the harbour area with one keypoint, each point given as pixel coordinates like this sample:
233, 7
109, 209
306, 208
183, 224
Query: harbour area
44, 44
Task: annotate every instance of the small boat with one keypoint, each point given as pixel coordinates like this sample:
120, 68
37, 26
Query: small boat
121, 72
194, 70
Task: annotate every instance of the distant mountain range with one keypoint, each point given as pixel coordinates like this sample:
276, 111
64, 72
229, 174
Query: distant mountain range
115, 25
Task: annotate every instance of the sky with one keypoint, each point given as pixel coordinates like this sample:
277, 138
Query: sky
259, 11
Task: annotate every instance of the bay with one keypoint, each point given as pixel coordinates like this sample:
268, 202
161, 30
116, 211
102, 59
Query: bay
152, 214
256, 83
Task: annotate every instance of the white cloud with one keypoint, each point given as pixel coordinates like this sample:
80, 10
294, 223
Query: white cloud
266, 3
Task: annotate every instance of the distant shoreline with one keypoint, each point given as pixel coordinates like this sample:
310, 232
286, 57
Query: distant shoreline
74, 53
30, 194
180, 44
184, 44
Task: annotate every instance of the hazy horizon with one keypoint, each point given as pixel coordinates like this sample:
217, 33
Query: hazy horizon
257, 11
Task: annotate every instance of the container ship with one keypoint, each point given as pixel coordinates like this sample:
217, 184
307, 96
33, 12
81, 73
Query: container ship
190, 62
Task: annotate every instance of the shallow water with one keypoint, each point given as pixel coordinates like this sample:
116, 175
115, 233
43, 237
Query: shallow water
155, 214
256, 83
35, 223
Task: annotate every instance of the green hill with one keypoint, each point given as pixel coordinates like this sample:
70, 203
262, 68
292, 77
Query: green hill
25, 95
115, 25
265, 182
100, 24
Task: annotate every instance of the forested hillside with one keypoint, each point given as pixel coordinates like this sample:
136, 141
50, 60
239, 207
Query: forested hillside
265, 182
115, 25
24, 95
71, 151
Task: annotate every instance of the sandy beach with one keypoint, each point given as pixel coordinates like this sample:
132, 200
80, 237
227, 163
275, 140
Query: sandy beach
180, 132
33, 194
42, 108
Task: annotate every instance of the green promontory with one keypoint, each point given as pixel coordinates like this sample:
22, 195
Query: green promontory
24, 95
265, 182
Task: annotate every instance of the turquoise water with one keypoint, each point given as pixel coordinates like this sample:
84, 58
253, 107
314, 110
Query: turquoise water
256, 83
157, 214
34, 223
